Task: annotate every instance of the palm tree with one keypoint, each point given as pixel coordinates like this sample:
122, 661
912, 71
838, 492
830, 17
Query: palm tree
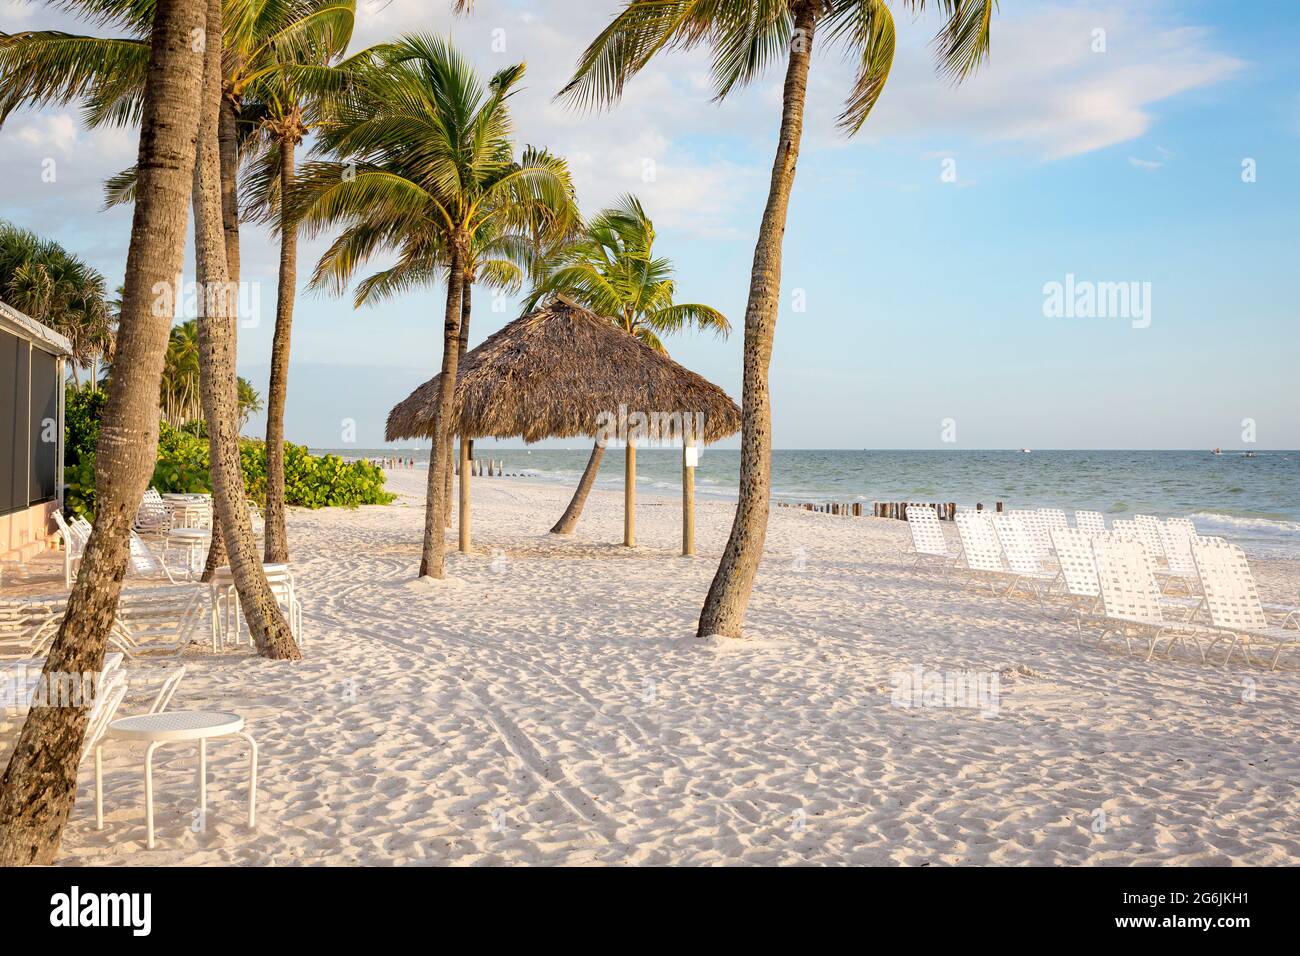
40, 782
180, 380
611, 269
218, 383
745, 36
423, 163
247, 401
285, 109
40, 278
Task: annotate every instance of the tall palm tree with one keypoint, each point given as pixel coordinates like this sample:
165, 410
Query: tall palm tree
423, 163
611, 269
217, 379
745, 36
284, 98
40, 781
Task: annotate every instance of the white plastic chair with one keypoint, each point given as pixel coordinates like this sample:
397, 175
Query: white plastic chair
163, 620
153, 518
107, 701
1052, 518
1023, 557
26, 625
1131, 598
1176, 542
1148, 528
256, 520
74, 546
980, 548
928, 541
1078, 572
146, 564
158, 690
1126, 528
1036, 530
1233, 602
1090, 522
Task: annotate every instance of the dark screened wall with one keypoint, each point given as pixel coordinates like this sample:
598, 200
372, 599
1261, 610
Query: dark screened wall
29, 412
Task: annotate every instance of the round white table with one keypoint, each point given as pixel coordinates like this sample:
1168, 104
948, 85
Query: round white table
173, 727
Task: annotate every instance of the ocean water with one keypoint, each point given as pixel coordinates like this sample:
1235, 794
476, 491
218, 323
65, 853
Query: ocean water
1253, 500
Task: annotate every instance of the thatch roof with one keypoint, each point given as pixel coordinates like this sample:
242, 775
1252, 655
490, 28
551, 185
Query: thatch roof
551, 373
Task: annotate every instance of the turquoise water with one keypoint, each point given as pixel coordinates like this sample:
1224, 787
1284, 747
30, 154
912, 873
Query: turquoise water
1254, 500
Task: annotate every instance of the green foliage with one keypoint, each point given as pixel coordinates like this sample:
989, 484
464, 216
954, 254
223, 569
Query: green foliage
310, 481
82, 408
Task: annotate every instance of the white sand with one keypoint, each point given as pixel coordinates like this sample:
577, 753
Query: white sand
552, 706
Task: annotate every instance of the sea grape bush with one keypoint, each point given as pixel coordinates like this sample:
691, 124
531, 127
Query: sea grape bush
310, 481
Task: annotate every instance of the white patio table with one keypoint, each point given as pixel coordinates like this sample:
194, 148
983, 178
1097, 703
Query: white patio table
173, 727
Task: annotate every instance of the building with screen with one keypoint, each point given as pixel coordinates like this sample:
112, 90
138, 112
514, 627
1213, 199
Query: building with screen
32, 369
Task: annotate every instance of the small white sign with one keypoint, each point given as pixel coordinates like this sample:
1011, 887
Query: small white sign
692, 456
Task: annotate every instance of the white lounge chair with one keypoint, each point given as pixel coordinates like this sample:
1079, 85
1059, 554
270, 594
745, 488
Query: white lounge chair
1036, 528
1148, 528
1023, 555
928, 541
256, 520
25, 626
1131, 599
1052, 518
1078, 572
153, 518
980, 548
1090, 522
158, 689
1180, 569
164, 620
1233, 602
1126, 528
146, 563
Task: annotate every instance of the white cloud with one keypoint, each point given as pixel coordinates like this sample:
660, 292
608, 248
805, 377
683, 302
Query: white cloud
1043, 89
1149, 165
50, 132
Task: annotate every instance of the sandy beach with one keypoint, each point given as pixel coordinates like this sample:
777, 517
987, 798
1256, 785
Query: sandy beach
549, 704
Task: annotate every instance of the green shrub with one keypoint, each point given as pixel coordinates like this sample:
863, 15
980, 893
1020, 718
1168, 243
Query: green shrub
310, 481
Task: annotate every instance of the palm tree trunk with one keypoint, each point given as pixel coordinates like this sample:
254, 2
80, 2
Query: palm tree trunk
462, 341
228, 146
40, 782
277, 541
217, 381
431, 562
571, 514
724, 608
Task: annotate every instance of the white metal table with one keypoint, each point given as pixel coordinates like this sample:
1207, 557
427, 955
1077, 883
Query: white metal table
173, 727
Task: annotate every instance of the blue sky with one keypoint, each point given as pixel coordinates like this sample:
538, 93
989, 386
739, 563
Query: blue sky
924, 297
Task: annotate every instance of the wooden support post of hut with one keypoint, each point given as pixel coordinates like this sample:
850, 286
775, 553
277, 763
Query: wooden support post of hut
629, 494
690, 458
462, 514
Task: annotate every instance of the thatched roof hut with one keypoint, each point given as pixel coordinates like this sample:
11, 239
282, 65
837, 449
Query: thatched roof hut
551, 373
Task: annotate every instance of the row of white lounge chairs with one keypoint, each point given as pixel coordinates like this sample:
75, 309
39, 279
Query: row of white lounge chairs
1122, 580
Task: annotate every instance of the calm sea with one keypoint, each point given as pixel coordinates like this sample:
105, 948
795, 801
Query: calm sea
1253, 500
